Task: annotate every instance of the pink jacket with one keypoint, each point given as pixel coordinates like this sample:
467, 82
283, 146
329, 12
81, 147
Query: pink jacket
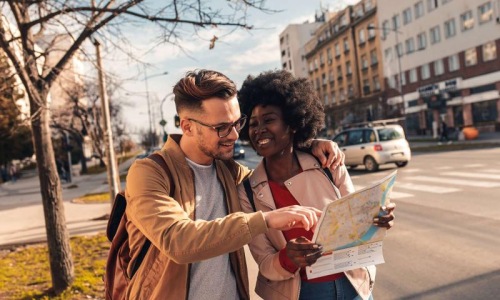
312, 187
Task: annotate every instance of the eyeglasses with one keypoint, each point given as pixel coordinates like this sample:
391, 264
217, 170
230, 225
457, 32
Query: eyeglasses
225, 129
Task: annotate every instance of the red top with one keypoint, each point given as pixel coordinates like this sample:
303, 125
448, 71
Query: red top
283, 198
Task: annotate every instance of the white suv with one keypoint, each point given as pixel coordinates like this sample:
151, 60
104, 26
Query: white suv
374, 146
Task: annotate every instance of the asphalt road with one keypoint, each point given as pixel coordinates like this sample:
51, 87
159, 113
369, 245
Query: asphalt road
445, 243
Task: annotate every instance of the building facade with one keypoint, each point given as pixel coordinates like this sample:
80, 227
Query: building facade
292, 41
442, 62
345, 66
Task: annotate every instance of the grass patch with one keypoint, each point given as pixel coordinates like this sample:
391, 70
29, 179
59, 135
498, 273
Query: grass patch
25, 272
93, 198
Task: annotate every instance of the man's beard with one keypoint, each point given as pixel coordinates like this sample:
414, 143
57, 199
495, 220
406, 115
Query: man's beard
214, 153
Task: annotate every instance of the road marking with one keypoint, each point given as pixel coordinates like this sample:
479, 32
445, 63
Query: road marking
444, 168
426, 188
474, 166
472, 175
410, 170
485, 184
492, 171
394, 195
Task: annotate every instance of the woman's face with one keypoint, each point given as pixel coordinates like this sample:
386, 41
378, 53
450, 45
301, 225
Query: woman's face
268, 132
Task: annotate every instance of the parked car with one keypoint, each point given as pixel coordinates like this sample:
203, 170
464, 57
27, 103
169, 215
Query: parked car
238, 151
374, 146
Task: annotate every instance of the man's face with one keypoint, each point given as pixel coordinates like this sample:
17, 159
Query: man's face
217, 113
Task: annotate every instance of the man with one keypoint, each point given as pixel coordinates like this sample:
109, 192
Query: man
194, 230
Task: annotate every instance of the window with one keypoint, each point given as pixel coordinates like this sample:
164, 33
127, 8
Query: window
373, 57
376, 83
406, 16
489, 51
321, 59
467, 20
339, 72
421, 41
323, 78
364, 62
425, 72
396, 22
470, 57
329, 54
435, 34
388, 54
311, 66
331, 77
337, 49
361, 36
350, 91
346, 45
485, 12
334, 99
371, 31
399, 49
419, 9
431, 5
385, 29
366, 86
449, 28
403, 79
413, 75
438, 67
342, 94
484, 111
359, 11
348, 69
410, 45
368, 5
326, 99
453, 63
445, 1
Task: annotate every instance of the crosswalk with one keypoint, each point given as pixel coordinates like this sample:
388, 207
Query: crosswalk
442, 180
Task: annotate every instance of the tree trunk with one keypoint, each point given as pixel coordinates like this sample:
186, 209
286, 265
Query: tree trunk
61, 261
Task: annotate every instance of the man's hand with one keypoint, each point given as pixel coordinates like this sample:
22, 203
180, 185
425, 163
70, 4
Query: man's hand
303, 252
328, 153
386, 216
290, 217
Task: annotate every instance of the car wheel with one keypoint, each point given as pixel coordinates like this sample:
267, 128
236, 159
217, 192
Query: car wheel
401, 164
370, 164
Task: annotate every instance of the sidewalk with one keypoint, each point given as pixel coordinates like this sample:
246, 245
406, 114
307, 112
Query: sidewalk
422, 143
22, 218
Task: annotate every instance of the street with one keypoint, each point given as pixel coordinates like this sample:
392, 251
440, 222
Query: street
444, 244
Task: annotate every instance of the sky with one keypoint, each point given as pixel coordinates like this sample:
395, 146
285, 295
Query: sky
237, 54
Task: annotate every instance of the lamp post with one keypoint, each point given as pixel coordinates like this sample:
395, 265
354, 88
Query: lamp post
400, 79
163, 122
152, 139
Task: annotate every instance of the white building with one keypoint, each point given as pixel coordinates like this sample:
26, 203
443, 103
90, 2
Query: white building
292, 41
447, 52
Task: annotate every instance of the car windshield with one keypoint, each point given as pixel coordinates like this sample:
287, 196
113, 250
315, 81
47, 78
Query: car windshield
389, 134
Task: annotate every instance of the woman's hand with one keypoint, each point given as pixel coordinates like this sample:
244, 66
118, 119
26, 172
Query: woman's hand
386, 216
328, 153
302, 252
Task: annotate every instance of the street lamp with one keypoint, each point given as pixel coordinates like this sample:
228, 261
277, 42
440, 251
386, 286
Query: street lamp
400, 79
162, 121
153, 142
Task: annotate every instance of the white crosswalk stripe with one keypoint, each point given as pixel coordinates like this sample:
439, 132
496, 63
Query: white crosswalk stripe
472, 175
474, 166
444, 168
485, 184
426, 188
394, 194
491, 171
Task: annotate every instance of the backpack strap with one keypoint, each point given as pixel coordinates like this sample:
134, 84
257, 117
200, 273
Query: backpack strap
248, 190
157, 158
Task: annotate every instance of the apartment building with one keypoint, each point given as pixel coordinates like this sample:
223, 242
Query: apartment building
344, 66
292, 41
447, 53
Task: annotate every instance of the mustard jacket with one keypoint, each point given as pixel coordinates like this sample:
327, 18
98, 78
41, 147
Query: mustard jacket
313, 188
168, 223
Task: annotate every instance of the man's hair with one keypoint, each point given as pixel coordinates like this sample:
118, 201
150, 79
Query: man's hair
199, 85
296, 97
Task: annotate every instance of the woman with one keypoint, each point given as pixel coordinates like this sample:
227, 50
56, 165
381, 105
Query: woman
285, 114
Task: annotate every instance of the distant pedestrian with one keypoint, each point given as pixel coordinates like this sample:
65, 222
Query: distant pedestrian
13, 173
3, 172
444, 132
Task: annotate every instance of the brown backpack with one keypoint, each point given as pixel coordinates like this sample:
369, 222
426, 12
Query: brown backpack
116, 278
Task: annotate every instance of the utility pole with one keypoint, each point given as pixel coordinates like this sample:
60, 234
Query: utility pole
112, 168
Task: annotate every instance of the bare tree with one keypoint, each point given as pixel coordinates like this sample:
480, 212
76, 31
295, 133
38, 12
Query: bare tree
24, 22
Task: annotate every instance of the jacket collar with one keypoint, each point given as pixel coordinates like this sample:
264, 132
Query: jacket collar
174, 151
306, 162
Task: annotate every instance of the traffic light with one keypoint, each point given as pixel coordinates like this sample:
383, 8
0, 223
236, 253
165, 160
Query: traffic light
177, 121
